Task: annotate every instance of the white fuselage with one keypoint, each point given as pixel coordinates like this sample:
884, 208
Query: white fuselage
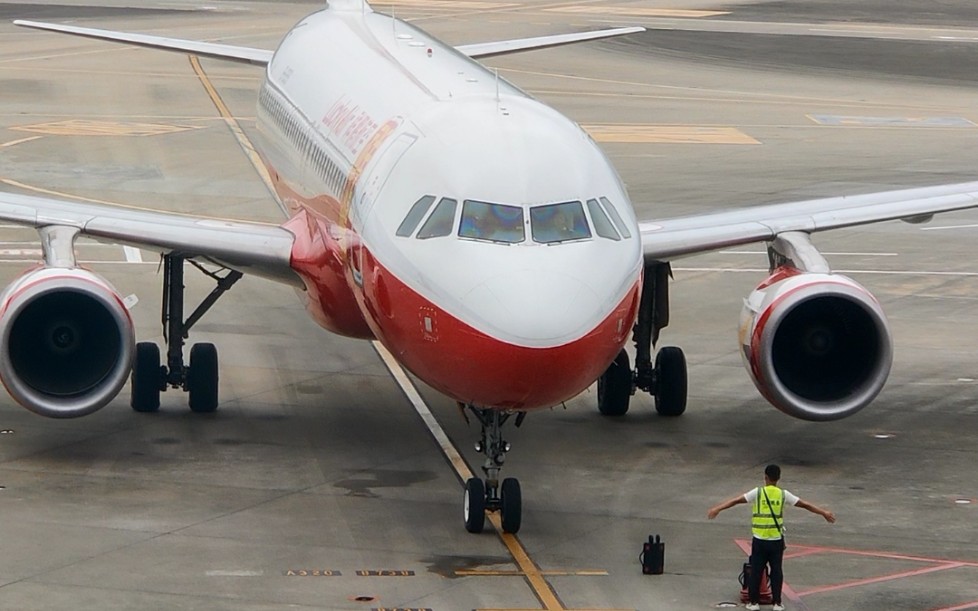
481, 235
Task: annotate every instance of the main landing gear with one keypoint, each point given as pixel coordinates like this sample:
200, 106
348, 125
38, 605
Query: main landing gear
199, 378
666, 379
488, 494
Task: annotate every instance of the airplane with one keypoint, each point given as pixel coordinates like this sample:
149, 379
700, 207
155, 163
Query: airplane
481, 236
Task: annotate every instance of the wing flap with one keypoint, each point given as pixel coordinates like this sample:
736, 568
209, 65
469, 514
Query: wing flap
248, 55
252, 248
683, 236
503, 47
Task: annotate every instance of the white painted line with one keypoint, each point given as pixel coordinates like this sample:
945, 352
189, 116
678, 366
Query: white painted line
21, 141
942, 228
133, 255
412, 394
84, 262
833, 254
882, 272
234, 573
36, 244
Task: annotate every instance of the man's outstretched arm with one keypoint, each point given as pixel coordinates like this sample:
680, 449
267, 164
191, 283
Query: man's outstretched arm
825, 513
737, 500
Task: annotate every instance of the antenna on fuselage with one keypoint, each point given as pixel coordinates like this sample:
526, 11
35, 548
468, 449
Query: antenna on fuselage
349, 5
496, 72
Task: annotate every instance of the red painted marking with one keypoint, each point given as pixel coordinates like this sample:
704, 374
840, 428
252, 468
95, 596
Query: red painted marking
971, 605
937, 565
890, 577
888, 555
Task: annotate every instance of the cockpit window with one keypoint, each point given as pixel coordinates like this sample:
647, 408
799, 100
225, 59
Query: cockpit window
492, 222
602, 225
442, 220
620, 224
559, 223
418, 210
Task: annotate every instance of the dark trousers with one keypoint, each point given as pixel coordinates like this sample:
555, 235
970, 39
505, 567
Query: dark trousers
762, 553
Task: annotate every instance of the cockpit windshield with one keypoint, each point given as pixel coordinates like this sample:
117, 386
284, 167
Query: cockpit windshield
559, 223
549, 224
492, 222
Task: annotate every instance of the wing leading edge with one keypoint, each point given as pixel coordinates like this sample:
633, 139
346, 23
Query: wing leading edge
503, 47
247, 55
261, 57
683, 236
252, 248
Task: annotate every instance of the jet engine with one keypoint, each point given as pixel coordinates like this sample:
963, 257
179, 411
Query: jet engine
67, 341
816, 345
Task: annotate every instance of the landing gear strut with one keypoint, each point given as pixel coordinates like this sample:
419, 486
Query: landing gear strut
489, 494
666, 379
199, 378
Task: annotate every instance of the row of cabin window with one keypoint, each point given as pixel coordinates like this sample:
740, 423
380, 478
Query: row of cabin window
331, 173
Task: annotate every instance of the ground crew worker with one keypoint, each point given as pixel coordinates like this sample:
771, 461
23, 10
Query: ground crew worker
767, 544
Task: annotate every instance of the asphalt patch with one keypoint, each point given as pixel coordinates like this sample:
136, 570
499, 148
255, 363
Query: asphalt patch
49, 12
931, 62
948, 13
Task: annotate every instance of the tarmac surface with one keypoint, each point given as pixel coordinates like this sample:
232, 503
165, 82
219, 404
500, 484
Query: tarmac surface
318, 486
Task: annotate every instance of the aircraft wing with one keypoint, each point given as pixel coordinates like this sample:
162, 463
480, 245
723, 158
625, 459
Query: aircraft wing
252, 248
682, 236
502, 47
247, 55
261, 57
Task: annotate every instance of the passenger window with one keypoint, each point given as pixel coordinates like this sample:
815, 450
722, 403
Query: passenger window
620, 224
441, 222
559, 222
492, 222
418, 210
602, 225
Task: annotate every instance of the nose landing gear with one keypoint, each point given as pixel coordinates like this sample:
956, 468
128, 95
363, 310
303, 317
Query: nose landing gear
489, 494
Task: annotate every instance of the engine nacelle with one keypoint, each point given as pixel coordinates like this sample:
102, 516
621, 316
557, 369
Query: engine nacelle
817, 345
67, 341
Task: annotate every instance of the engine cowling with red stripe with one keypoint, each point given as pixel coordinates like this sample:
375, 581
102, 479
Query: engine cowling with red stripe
816, 345
67, 341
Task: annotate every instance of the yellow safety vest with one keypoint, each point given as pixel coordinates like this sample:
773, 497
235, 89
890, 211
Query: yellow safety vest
762, 524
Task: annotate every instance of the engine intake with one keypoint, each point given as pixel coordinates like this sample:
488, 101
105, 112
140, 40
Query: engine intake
67, 342
817, 346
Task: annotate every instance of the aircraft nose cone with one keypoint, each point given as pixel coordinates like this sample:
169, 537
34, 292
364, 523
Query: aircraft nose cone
536, 308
